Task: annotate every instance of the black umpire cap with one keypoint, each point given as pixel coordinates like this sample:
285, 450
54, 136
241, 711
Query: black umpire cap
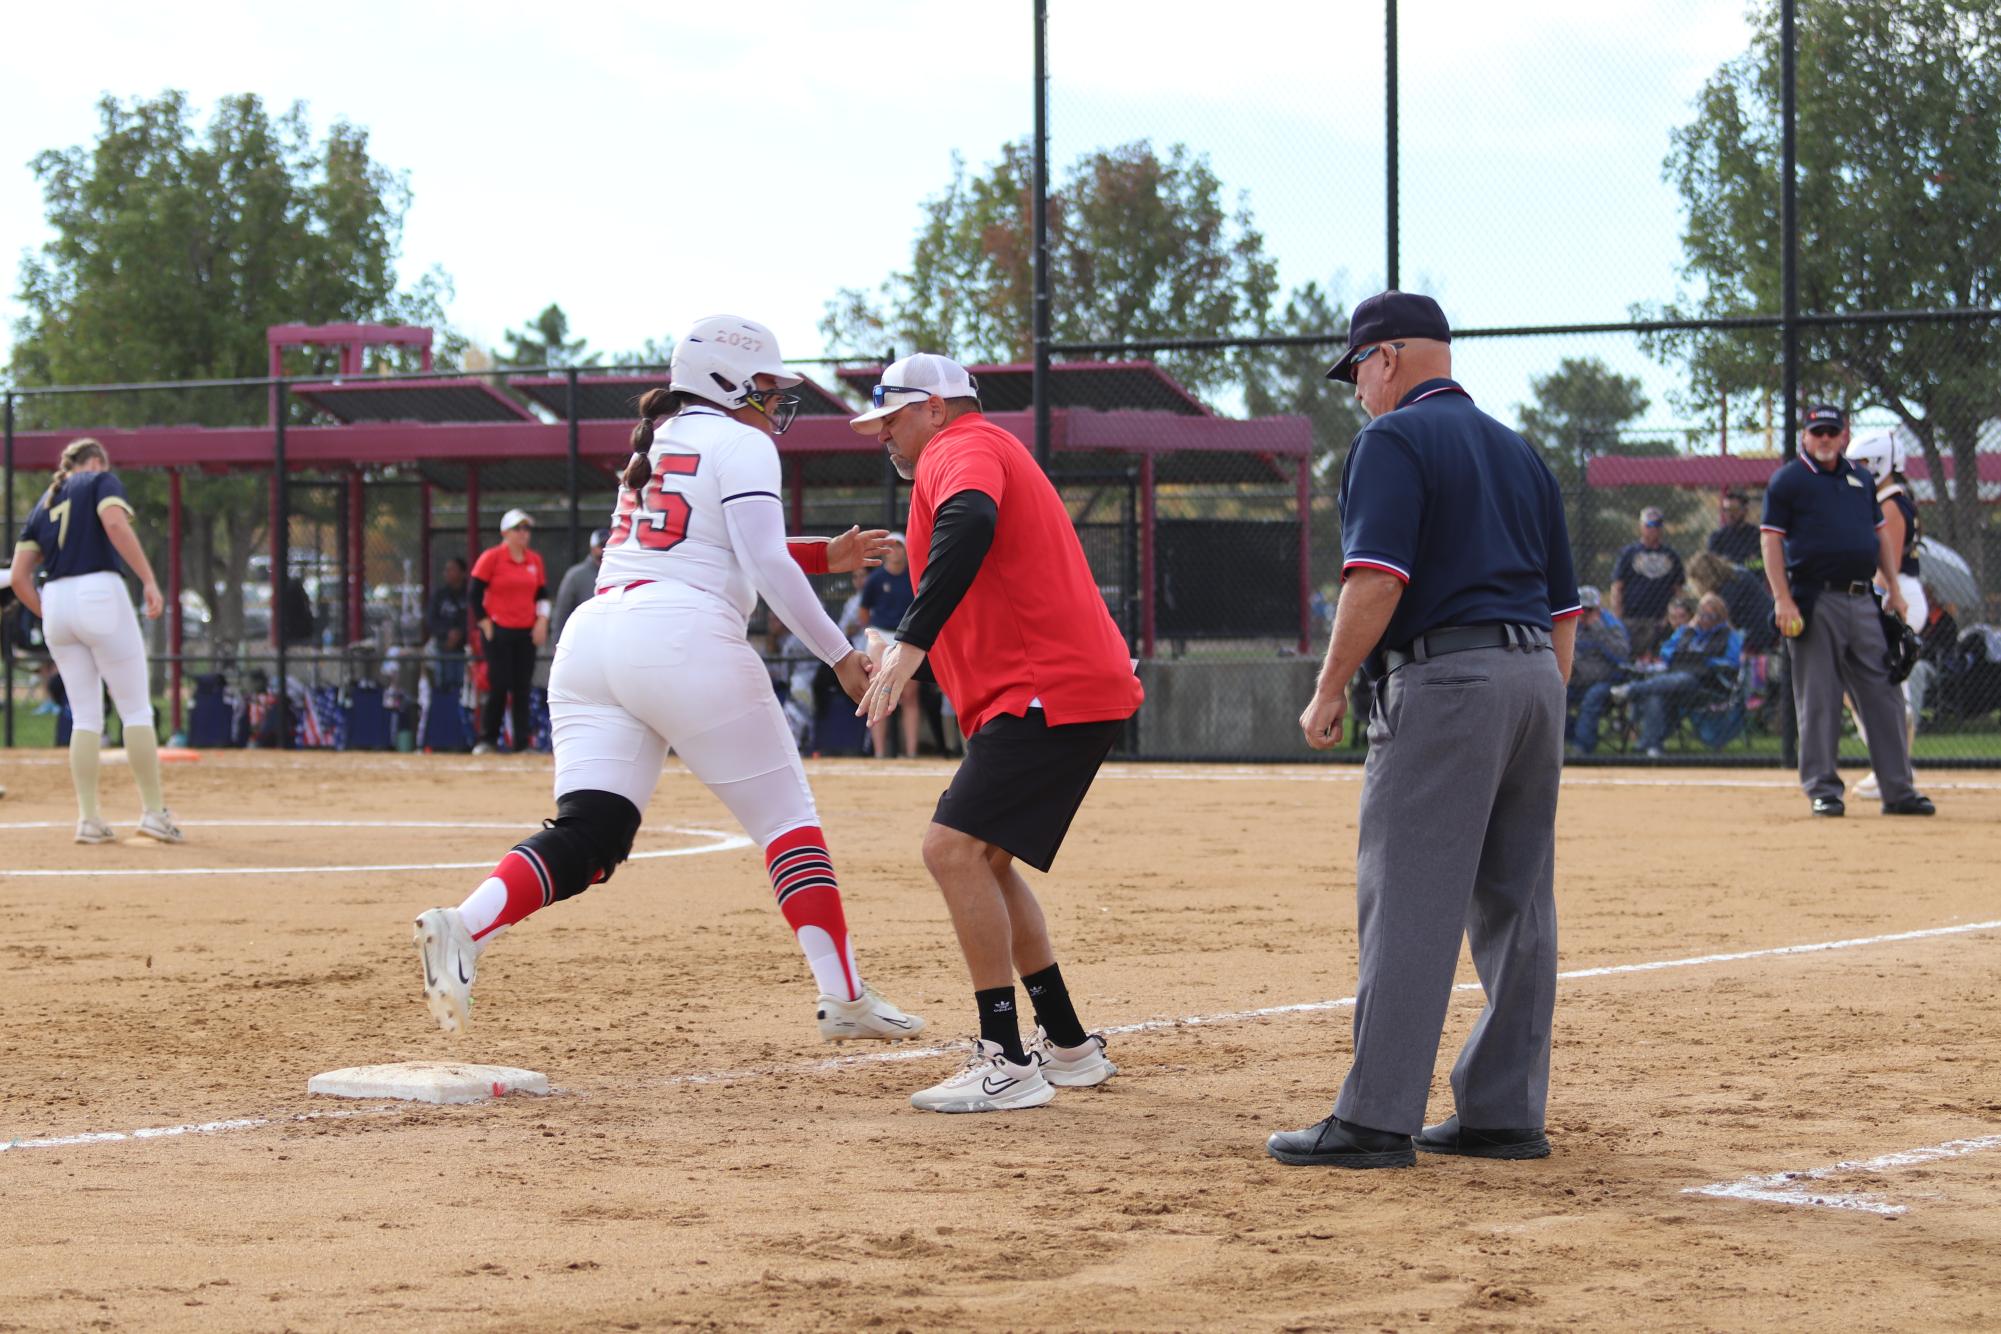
1826, 414
1386, 317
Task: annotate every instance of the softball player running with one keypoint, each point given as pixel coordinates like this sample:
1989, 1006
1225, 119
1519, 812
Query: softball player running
659, 659
79, 528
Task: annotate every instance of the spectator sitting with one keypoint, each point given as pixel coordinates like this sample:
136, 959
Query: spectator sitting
1938, 642
1736, 538
447, 619
1601, 661
1746, 594
1645, 580
1703, 659
885, 597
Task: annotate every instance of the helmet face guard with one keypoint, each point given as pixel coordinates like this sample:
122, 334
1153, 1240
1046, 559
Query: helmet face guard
777, 405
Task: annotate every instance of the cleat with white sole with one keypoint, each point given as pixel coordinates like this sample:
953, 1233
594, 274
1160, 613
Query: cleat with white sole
990, 1082
451, 961
1071, 1067
867, 1018
160, 825
94, 831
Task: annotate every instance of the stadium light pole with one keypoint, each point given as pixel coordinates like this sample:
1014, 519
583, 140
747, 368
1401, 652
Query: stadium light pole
281, 545
1390, 140
1039, 380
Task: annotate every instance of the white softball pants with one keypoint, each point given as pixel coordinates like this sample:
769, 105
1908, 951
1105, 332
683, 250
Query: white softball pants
93, 634
642, 670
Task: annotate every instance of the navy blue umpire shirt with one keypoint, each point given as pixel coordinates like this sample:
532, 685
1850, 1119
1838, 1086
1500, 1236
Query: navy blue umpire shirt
1463, 511
1829, 518
67, 529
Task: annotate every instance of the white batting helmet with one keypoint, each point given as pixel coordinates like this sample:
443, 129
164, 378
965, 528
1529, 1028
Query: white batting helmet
720, 357
1881, 454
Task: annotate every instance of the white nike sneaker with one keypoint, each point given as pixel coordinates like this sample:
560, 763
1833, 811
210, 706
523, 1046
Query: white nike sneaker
1071, 1067
990, 1082
867, 1017
94, 831
1868, 787
451, 961
160, 824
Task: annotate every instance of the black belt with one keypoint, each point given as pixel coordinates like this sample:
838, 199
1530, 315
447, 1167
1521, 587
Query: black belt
1855, 586
1461, 639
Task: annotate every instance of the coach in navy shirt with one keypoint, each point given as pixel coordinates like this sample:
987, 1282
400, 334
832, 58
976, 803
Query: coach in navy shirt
1824, 540
1458, 589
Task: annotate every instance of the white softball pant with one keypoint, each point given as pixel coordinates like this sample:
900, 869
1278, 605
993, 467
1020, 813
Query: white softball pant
93, 634
641, 670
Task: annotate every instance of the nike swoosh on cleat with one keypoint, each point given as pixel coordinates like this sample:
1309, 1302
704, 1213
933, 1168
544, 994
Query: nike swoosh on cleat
991, 1087
462, 972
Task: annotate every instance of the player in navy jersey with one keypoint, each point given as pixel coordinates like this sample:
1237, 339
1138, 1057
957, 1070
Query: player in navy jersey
78, 531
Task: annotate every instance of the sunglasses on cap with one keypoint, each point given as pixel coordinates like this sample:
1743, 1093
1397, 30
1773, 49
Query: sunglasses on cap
1823, 430
881, 391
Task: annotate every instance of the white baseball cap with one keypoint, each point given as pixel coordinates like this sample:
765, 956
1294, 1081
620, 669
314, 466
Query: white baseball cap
917, 377
515, 518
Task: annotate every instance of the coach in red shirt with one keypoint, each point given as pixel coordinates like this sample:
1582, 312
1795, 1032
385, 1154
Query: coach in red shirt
1009, 620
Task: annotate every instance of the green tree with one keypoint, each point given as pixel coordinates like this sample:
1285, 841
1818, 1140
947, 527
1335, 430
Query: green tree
1899, 145
175, 246
546, 341
1581, 409
1140, 245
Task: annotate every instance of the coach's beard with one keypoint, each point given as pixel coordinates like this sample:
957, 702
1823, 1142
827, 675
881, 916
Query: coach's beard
901, 464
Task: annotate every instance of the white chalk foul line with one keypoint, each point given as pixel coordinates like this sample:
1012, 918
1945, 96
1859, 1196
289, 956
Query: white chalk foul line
191, 1128
1343, 1002
1792, 1188
894, 1054
720, 841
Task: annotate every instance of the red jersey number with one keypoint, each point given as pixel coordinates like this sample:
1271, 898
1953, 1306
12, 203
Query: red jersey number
667, 512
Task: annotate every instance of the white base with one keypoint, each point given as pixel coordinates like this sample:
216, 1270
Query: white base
428, 1081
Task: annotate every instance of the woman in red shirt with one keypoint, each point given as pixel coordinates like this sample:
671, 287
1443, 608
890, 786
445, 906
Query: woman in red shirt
510, 600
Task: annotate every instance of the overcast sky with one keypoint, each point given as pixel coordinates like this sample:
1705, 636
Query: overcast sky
645, 164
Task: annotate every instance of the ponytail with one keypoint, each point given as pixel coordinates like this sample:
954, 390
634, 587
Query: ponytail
653, 404
75, 456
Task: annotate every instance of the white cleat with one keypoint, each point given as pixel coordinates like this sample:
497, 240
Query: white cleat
451, 961
1868, 786
1071, 1067
160, 824
990, 1082
94, 831
866, 1018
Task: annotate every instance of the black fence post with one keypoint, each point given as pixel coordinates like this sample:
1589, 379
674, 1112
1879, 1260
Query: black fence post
574, 475
1390, 141
281, 551
889, 474
7, 531
1039, 381
1789, 288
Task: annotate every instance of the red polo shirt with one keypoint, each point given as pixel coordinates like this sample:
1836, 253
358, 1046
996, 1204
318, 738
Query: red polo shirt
1033, 627
512, 586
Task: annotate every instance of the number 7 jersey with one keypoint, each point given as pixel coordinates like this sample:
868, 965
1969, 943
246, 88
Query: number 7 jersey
672, 529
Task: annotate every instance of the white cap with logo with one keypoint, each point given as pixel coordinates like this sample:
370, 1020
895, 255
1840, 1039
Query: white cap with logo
917, 377
515, 518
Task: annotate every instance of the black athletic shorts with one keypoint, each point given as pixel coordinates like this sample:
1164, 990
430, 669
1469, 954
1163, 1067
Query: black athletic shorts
1022, 781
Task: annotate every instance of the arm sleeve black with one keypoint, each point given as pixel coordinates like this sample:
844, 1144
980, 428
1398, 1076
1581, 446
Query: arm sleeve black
960, 539
478, 600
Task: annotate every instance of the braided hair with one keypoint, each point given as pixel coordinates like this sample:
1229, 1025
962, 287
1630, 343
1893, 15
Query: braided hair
75, 456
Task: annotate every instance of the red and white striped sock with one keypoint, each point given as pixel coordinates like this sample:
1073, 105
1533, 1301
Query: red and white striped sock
517, 887
802, 875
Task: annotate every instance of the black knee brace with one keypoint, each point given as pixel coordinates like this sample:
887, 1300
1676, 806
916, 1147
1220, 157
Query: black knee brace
591, 834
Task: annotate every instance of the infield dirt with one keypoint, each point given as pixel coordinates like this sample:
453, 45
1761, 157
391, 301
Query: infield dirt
702, 1166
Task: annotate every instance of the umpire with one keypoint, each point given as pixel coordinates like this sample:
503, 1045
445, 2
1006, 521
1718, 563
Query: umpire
1824, 539
1458, 591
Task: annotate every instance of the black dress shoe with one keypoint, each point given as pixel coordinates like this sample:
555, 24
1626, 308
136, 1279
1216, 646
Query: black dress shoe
1338, 1143
1829, 806
1911, 805
1451, 1137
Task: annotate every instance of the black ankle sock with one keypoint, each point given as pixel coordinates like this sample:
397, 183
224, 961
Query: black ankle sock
1053, 1009
999, 1023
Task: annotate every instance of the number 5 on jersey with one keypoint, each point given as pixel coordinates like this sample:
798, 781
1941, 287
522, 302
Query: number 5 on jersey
667, 512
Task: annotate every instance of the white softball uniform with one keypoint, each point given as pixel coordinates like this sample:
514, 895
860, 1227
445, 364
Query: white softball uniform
658, 659
93, 634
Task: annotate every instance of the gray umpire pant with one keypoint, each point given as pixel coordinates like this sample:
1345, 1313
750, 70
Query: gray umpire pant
1843, 650
1458, 837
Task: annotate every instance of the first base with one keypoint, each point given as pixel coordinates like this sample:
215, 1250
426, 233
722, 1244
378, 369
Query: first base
428, 1081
